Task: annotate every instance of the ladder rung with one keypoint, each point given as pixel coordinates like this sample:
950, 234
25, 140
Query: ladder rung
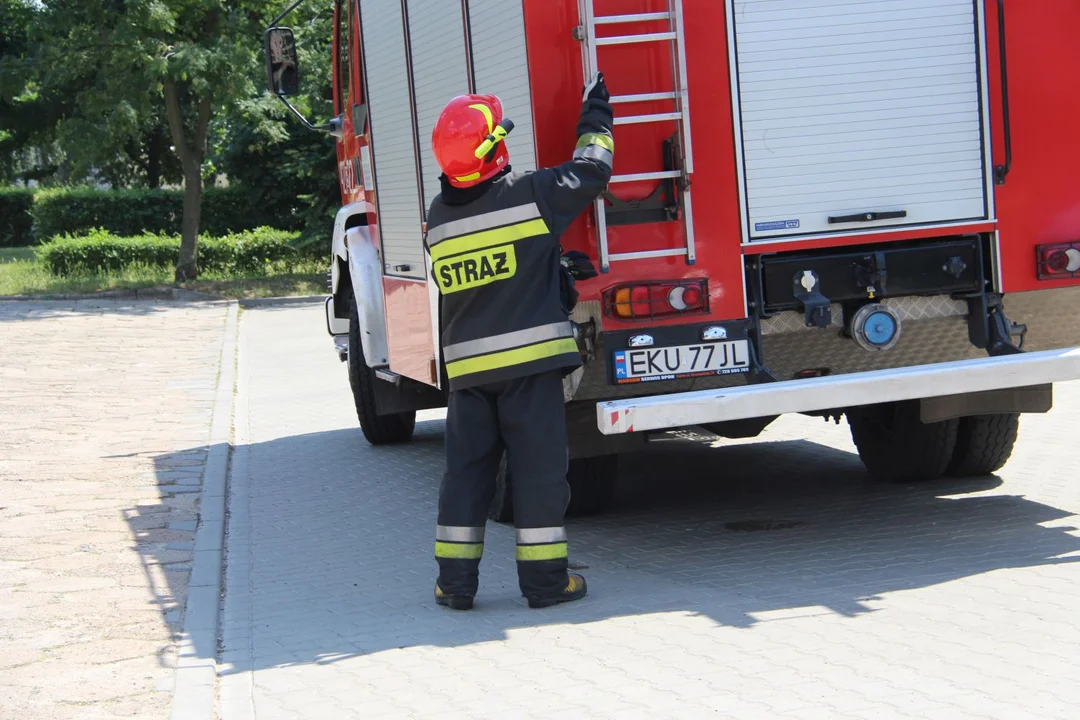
639, 17
658, 117
627, 39
644, 97
645, 254
635, 177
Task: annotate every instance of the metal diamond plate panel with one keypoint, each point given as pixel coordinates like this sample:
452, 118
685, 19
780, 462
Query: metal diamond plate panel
1052, 317
907, 308
921, 342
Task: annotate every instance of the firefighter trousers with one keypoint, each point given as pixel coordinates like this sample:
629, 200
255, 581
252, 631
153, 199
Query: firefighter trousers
526, 418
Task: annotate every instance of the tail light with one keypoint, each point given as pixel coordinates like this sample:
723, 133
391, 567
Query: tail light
1058, 262
653, 299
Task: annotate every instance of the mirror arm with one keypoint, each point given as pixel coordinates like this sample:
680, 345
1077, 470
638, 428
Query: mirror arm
281, 16
333, 127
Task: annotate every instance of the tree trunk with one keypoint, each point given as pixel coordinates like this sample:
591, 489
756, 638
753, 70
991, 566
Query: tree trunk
187, 267
191, 157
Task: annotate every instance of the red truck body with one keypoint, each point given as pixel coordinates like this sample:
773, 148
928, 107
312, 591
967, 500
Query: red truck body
904, 153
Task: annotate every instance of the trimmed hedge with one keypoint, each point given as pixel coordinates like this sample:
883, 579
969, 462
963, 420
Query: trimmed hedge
16, 218
245, 252
136, 212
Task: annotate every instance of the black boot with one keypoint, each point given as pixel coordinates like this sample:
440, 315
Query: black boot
575, 590
454, 602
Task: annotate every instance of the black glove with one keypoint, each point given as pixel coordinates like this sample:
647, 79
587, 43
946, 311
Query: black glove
578, 265
568, 294
596, 89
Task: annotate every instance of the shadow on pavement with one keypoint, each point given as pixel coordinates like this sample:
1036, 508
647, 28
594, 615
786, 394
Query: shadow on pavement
338, 556
163, 530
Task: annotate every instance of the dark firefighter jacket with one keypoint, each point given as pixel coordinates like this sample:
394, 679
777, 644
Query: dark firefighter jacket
495, 257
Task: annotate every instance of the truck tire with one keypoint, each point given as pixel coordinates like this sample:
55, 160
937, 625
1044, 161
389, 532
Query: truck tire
378, 429
592, 486
896, 446
984, 444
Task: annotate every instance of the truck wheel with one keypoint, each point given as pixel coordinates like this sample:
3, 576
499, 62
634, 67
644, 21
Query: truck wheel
896, 446
984, 444
592, 485
378, 429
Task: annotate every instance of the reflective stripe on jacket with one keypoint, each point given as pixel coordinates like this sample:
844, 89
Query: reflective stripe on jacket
495, 261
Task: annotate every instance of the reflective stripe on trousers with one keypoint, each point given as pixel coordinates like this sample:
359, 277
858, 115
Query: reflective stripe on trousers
459, 543
541, 544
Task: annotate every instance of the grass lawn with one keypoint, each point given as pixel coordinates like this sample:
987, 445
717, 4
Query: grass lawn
20, 274
15, 254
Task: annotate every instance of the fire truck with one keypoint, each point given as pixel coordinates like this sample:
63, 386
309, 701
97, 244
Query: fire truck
836, 208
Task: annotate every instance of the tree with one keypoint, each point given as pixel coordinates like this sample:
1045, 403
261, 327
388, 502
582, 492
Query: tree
141, 92
59, 120
202, 53
181, 60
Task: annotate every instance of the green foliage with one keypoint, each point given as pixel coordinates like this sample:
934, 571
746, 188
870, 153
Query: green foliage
265, 149
102, 251
124, 212
255, 251
134, 212
295, 174
16, 220
29, 277
82, 101
23, 110
251, 252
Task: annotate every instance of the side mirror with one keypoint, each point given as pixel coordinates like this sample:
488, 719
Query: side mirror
282, 67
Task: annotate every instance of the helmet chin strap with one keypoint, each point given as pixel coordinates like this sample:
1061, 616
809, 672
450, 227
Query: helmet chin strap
491, 142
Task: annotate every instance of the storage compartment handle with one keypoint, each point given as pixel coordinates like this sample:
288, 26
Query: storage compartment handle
1000, 171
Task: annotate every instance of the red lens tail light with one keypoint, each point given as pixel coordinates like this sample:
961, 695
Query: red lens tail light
1058, 262
657, 298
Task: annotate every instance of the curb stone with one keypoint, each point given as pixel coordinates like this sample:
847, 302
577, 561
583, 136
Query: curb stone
237, 681
194, 696
276, 301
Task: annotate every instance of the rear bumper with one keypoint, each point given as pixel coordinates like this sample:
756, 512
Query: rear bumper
660, 412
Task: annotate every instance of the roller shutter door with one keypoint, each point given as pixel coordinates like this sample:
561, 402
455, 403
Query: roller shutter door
501, 67
849, 107
392, 138
440, 72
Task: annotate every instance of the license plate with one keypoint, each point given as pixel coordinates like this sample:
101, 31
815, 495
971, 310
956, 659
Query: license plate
681, 361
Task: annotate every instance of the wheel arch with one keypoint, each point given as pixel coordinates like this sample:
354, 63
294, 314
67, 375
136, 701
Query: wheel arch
356, 271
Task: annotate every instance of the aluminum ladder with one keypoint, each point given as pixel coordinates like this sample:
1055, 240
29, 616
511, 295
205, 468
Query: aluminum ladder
675, 35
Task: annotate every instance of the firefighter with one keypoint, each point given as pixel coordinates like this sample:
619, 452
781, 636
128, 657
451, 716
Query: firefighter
493, 248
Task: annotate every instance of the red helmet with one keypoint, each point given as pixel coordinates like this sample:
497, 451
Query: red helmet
468, 139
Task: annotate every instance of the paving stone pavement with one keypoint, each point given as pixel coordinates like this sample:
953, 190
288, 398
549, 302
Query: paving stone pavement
767, 579
105, 411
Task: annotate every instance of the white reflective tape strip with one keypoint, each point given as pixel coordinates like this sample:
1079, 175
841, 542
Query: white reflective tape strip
450, 533
595, 152
477, 223
507, 341
538, 536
